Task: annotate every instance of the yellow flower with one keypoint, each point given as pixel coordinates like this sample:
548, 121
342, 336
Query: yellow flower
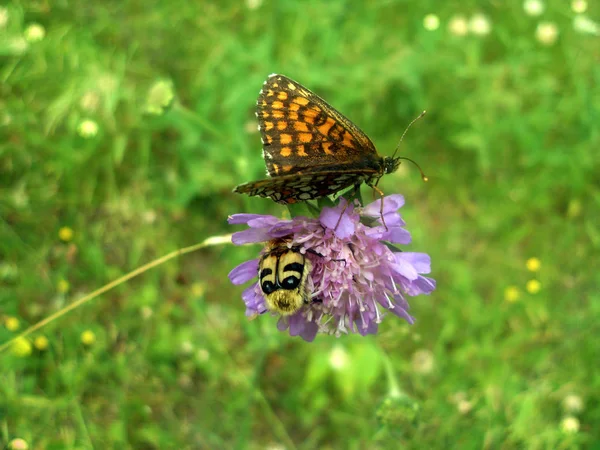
62, 286
512, 294
464, 406
12, 323
21, 347
546, 33
88, 337
35, 32
480, 25
533, 286
431, 22
533, 264
533, 7
41, 343
65, 234
160, 97
198, 289
569, 425
87, 128
458, 26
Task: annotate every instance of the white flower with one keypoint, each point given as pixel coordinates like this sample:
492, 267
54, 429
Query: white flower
569, 425
546, 33
480, 25
3, 16
458, 26
35, 32
338, 358
431, 22
585, 25
253, 4
87, 128
572, 403
423, 361
533, 7
579, 6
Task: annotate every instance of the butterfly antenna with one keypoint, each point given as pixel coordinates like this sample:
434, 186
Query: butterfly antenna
423, 176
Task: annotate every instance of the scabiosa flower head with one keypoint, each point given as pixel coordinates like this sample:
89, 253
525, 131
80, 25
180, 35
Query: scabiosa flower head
355, 276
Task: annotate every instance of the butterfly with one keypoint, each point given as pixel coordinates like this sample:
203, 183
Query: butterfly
311, 150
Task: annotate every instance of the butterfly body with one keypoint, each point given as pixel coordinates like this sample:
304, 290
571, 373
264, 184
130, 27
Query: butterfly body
310, 149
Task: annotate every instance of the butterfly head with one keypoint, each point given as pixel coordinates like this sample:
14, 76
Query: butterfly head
390, 164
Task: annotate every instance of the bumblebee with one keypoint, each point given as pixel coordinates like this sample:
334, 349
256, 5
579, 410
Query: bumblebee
283, 277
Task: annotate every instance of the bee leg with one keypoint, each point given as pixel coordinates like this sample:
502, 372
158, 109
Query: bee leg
310, 250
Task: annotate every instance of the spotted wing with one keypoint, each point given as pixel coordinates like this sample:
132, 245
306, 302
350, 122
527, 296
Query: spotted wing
301, 132
295, 187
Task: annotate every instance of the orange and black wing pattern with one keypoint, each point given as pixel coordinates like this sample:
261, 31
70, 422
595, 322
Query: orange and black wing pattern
300, 187
301, 132
310, 149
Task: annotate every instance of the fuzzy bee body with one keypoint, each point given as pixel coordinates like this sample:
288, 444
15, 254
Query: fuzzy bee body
283, 277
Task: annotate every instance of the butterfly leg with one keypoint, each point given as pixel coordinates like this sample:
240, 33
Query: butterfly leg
381, 195
352, 196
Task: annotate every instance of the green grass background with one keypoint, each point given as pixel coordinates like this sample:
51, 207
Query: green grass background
511, 144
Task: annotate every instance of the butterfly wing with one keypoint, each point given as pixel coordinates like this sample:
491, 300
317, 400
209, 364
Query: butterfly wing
295, 187
301, 132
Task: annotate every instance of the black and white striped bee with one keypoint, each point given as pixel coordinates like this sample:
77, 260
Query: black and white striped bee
283, 275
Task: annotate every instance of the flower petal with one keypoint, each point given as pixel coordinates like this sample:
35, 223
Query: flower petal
402, 313
251, 235
397, 235
263, 221
391, 203
338, 220
404, 268
244, 272
422, 285
237, 219
355, 276
255, 302
309, 332
420, 261
363, 329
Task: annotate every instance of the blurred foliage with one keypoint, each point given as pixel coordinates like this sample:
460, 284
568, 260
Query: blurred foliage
123, 127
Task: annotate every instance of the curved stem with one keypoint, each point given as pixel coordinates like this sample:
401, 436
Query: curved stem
209, 242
